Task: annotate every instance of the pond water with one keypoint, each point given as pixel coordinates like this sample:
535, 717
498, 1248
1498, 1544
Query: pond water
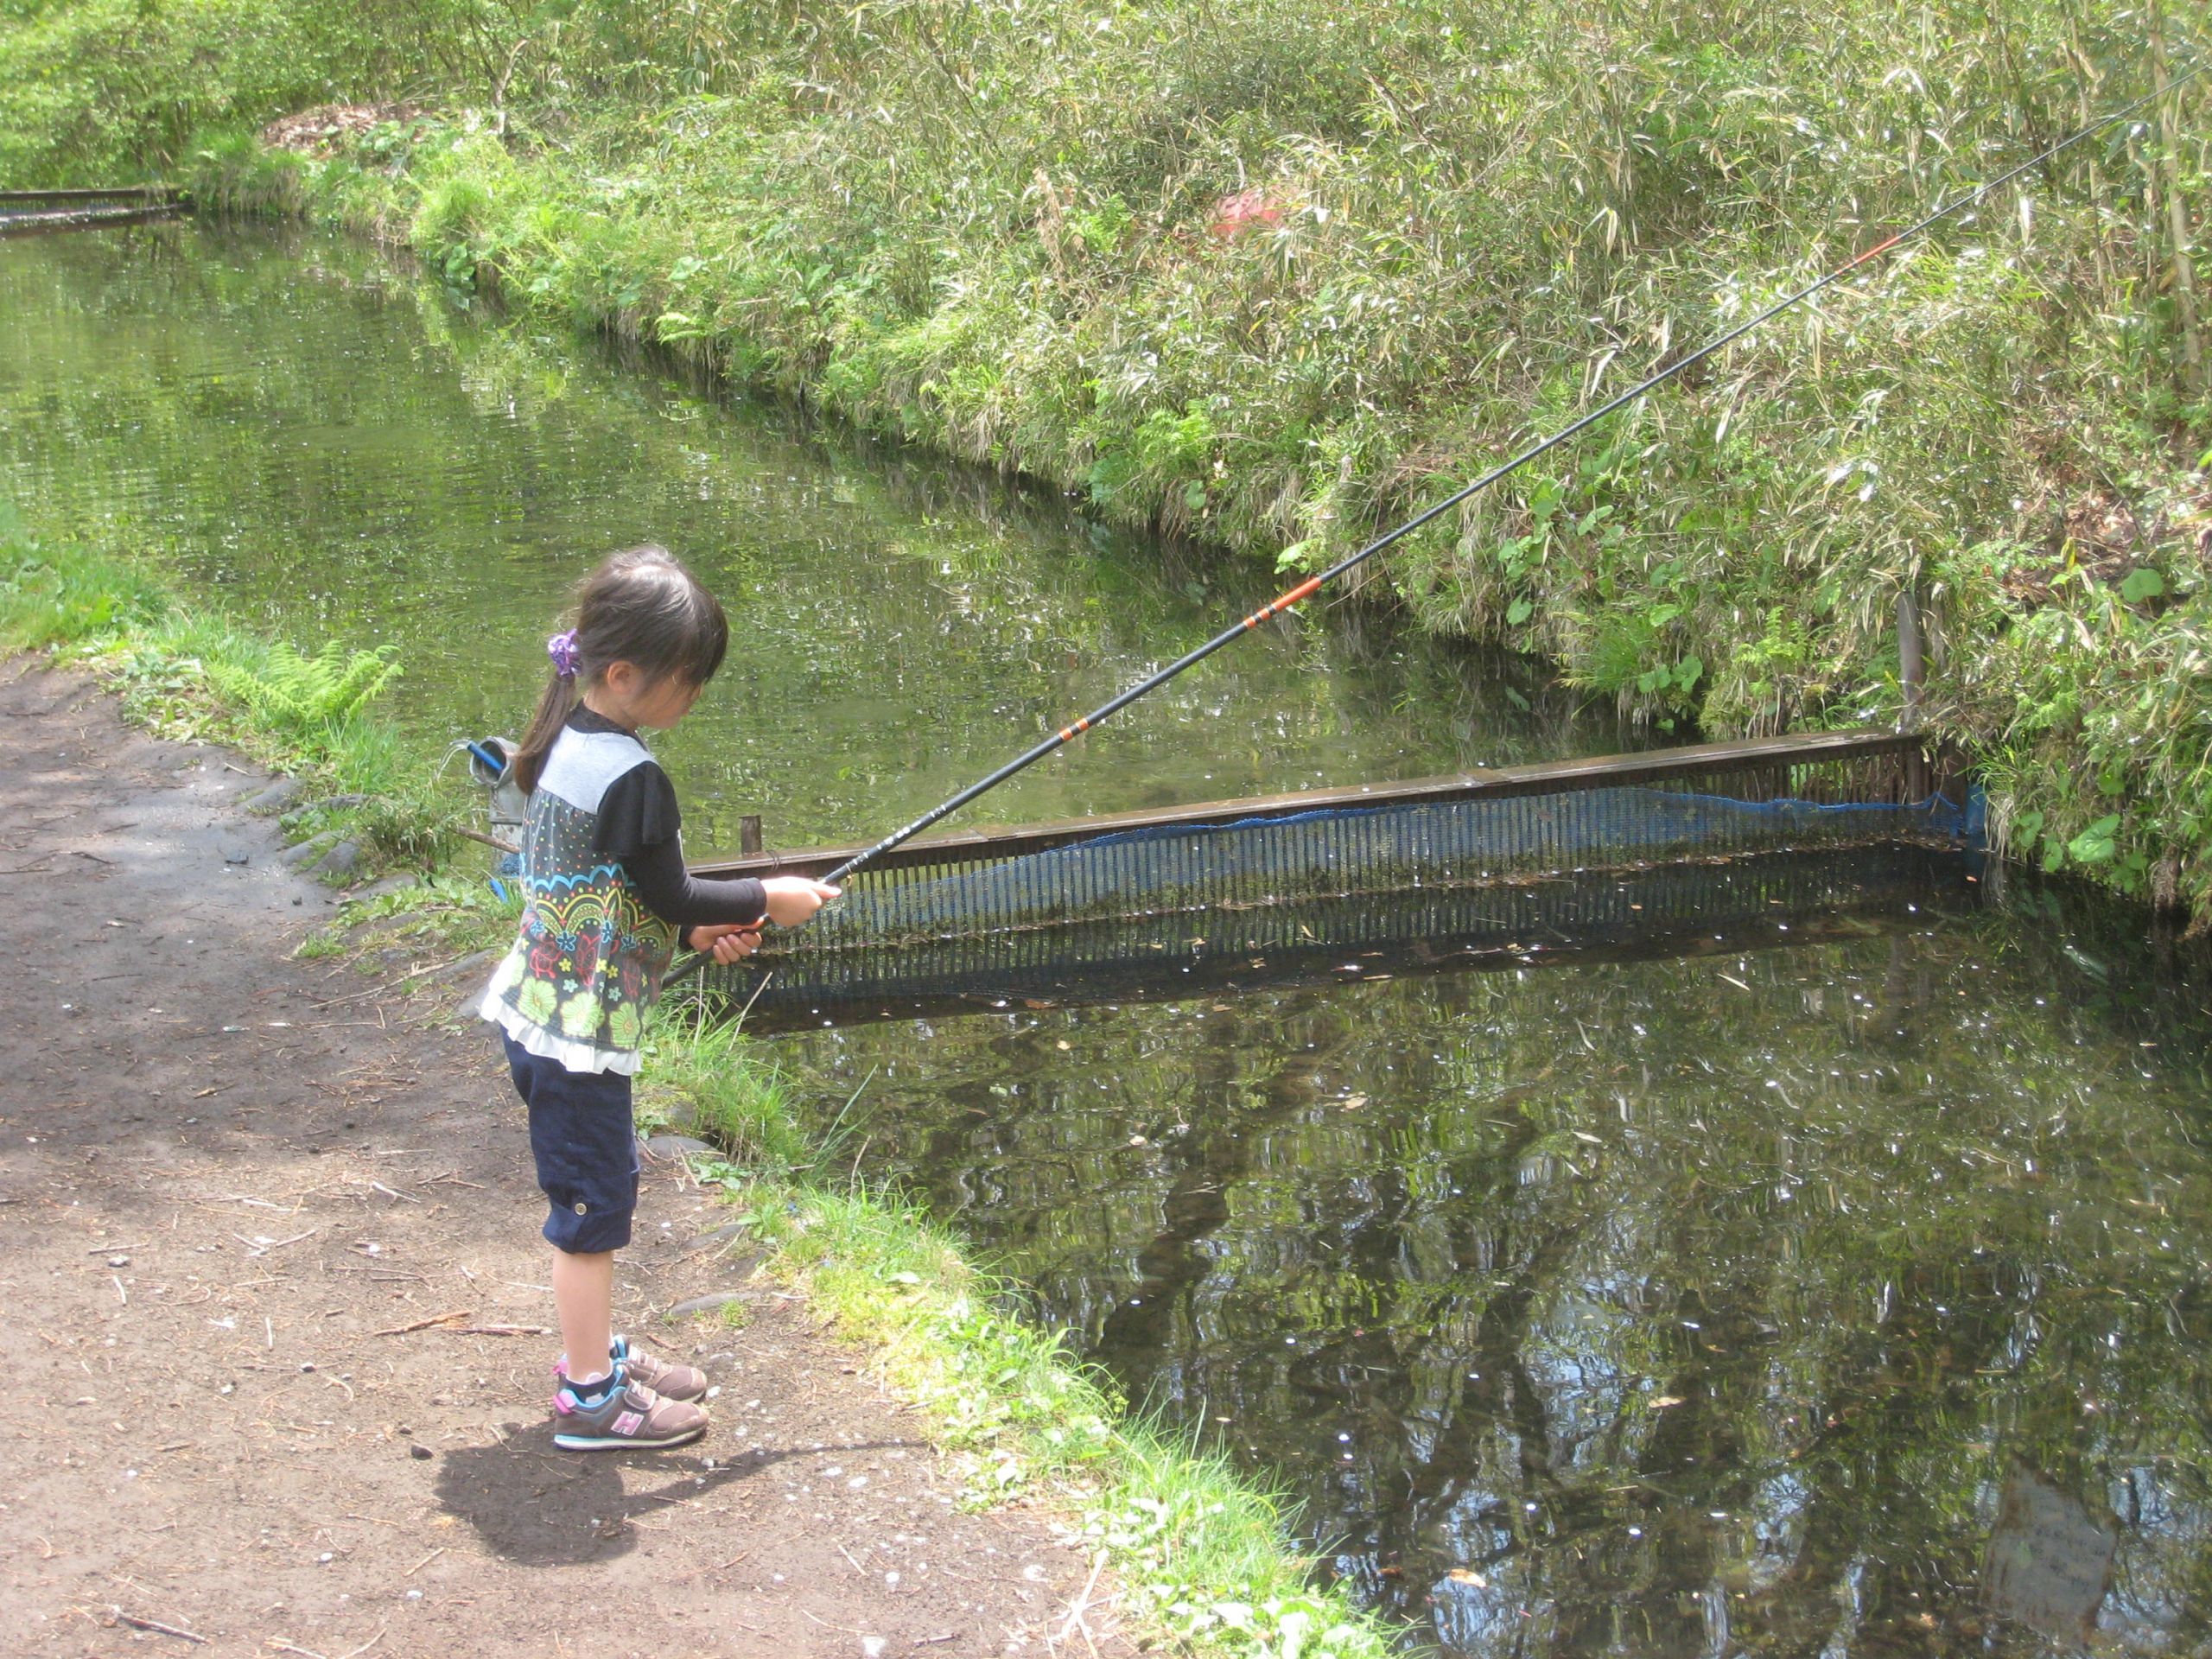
1833, 1283
340, 451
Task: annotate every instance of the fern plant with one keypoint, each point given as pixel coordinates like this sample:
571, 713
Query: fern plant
299, 694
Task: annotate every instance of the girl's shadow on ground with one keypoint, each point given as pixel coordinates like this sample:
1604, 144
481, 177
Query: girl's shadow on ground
534, 1503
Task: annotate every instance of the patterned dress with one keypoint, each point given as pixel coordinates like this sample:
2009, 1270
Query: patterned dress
586, 967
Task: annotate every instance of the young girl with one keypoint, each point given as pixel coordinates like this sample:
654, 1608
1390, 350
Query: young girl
606, 897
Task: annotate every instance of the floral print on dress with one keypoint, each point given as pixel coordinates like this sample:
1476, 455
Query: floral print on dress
587, 962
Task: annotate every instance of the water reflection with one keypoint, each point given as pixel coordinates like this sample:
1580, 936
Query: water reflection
339, 450
1684, 1307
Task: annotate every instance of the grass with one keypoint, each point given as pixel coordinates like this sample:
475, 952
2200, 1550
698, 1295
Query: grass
702, 1077
439, 915
1198, 1550
193, 676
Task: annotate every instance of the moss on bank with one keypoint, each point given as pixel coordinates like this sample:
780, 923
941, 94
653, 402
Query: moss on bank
1200, 1555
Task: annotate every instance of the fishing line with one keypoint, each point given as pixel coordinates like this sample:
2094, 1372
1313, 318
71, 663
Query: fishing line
1290, 599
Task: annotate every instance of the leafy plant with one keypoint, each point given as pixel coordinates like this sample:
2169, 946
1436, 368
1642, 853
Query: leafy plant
298, 694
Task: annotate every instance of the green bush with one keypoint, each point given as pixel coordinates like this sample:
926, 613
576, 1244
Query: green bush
106, 92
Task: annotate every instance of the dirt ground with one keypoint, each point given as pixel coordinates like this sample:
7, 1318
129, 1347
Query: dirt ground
229, 1183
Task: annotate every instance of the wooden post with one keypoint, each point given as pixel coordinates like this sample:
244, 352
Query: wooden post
748, 835
1912, 660
1912, 677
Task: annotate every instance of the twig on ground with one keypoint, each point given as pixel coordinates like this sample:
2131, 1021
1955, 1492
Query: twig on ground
391, 984
1082, 1603
155, 1626
262, 1204
263, 1247
424, 1324
424, 1562
277, 1644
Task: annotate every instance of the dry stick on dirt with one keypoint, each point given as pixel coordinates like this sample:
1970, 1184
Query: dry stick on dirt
393, 985
1076, 1621
424, 1324
153, 1624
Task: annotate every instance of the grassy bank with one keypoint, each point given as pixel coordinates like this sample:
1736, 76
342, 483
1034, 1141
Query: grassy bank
1200, 1557
1197, 1552
1277, 276
359, 800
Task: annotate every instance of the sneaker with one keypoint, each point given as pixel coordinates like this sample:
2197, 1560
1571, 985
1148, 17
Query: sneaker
632, 1416
663, 1376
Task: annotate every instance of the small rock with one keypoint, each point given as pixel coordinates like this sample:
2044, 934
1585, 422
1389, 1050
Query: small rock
871, 1647
419, 1451
234, 852
301, 852
714, 1304
274, 797
341, 861
676, 1146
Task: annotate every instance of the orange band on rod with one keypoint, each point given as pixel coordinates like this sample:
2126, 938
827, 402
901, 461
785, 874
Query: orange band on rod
1311, 584
1879, 247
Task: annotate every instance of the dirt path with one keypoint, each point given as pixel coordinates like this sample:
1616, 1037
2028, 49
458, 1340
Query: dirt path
220, 1194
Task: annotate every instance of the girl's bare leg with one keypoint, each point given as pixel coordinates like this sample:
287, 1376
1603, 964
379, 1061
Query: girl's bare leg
583, 1296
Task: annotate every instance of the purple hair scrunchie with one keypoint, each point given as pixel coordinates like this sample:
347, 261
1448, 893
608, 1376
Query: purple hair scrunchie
561, 648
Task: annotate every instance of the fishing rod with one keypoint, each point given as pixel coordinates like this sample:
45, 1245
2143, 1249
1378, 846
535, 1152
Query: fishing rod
1305, 589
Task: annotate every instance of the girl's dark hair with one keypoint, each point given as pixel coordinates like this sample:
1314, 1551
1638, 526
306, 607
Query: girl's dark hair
639, 607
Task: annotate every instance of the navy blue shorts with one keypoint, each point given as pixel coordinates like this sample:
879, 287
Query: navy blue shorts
586, 1146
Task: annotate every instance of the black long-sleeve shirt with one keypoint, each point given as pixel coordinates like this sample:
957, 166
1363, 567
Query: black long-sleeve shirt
639, 826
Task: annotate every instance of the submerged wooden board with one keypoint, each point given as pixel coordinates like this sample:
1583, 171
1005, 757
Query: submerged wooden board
1600, 771
80, 219
160, 193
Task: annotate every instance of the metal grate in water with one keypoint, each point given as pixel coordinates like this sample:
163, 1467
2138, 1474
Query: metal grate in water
1254, 862
1668, 909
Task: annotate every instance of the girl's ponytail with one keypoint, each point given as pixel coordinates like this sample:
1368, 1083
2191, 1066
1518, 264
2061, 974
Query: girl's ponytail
553, 710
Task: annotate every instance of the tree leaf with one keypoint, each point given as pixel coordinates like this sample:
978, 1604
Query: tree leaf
2141, 583
2094, 844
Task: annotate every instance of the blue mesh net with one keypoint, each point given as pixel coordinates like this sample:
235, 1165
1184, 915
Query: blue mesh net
1268, 860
